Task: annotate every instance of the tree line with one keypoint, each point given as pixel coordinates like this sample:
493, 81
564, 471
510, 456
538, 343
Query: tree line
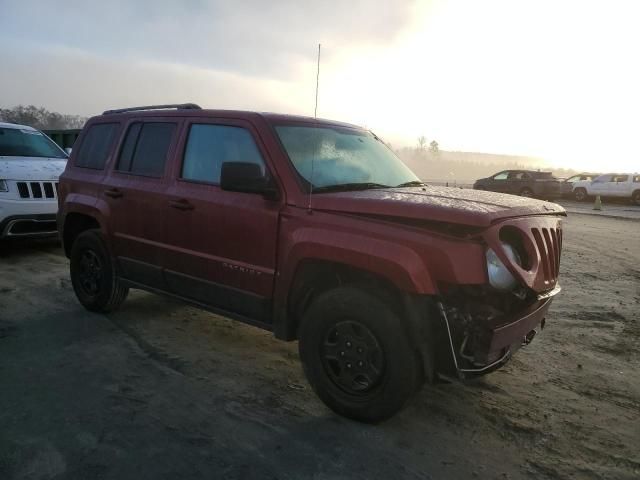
41, 118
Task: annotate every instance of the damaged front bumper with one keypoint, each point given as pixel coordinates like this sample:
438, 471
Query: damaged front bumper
477, 348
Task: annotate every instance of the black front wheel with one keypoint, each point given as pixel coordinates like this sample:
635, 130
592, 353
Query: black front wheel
356, 354
580, 194
93, 274
635, 198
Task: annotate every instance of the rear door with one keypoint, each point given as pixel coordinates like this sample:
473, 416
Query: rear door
222, 245
135, 191
620, 186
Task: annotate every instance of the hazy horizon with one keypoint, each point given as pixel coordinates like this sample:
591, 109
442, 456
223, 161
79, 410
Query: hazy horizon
549, 80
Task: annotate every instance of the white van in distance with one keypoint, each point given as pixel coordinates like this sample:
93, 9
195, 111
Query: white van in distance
30, 164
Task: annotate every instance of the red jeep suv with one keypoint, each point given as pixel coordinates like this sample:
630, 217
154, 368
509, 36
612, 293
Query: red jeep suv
315, 230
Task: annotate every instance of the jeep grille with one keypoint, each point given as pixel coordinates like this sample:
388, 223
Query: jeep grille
549, 245
37, 190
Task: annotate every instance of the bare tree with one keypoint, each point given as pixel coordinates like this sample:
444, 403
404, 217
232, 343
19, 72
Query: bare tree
422, 143
41, 118
434, 148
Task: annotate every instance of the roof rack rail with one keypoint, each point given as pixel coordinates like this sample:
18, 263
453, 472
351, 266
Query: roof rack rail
177, 106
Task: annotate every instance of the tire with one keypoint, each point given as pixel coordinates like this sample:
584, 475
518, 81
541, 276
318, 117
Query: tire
635, 198
580, 194
93, 274
349, 328
526, 192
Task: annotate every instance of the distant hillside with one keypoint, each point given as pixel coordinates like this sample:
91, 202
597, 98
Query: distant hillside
466, 167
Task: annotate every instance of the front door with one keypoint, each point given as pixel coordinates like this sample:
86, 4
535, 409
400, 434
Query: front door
221, 244
600, 185
517, 182
500, 182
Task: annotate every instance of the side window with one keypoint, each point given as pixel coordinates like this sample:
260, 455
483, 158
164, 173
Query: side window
209, 146
501, 176
145, 148
96, 145
621, 178
636, 179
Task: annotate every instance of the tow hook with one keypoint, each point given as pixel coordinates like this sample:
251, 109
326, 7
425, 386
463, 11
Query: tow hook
528, 338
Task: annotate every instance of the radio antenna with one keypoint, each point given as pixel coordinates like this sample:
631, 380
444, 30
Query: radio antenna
315, 116
315, 110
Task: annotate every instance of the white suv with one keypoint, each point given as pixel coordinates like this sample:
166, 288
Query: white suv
625, 185
30, 164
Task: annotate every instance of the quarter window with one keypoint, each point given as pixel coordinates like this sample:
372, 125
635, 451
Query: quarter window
96, 146
209, 146
145, 148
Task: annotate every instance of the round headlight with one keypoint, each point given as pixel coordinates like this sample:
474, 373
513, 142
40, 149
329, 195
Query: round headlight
499, 276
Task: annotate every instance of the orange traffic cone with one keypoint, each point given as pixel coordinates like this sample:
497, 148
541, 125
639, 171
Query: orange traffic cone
598, 203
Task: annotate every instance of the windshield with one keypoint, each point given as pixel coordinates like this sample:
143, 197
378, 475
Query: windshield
15, 142
329, 157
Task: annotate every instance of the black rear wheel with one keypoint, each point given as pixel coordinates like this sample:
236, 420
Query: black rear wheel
635, 198
356, 354
93, 274
580, 194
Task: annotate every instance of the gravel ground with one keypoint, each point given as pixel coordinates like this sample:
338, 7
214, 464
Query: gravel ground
161, 390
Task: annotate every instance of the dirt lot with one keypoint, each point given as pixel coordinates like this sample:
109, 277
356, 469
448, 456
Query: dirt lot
160, 390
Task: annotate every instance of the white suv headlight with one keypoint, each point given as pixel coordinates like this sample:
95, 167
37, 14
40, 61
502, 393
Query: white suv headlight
499, 276
4, 187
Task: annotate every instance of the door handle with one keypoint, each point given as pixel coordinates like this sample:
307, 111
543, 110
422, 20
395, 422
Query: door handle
181, 204
113, 193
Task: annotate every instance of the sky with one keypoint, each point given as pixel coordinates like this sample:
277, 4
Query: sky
554, 79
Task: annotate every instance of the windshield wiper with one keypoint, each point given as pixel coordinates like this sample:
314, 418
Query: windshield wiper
412, 183
345, 187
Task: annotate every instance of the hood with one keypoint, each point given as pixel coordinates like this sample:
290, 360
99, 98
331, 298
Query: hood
31, 168
439, 204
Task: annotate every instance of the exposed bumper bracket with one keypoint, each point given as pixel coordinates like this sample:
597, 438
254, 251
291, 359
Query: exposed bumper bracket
461, 371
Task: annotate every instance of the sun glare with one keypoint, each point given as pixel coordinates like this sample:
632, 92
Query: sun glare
553, 80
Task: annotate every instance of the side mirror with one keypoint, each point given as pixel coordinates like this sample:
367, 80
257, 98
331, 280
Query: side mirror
248, 178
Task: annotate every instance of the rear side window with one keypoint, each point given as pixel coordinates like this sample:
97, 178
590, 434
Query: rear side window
145, 148
209, 146
96, 146
518, 176
636, 179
